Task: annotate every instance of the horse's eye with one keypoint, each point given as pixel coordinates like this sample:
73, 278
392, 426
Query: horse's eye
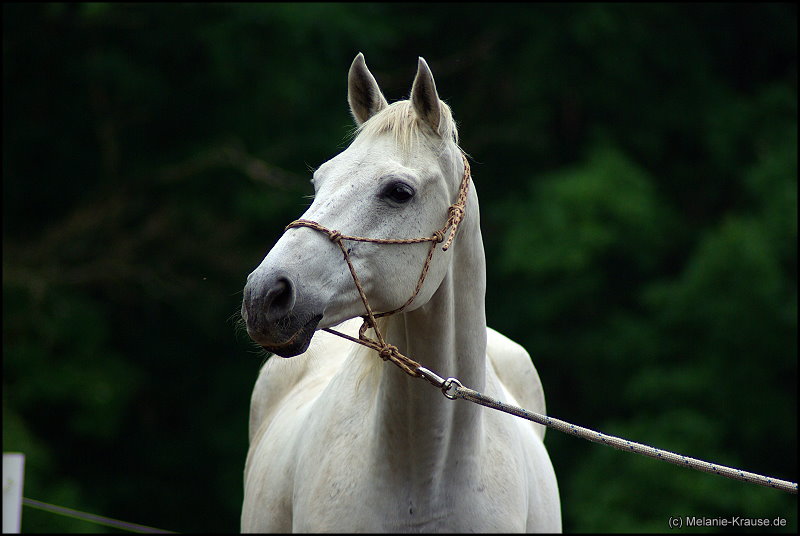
399, 192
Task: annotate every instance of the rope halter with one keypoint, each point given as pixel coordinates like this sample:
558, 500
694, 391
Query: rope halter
386, 351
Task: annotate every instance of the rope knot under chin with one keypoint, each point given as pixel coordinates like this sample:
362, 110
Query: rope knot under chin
334, 236
387, 351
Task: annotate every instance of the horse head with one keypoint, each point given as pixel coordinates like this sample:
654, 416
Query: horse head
396, 180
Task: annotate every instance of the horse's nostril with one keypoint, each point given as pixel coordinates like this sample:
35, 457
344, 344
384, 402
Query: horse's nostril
279, 299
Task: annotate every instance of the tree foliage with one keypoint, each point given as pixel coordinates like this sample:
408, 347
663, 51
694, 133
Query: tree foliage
637, 168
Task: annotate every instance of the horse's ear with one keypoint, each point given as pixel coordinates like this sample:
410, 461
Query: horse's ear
363, 93
424, 98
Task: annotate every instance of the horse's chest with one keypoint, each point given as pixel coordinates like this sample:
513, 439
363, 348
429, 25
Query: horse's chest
377, 509
358, 492
333, 470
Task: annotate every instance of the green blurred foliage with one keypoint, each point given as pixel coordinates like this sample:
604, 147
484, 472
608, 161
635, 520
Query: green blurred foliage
637, 167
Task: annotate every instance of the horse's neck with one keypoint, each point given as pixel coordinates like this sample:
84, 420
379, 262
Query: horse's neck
448, 336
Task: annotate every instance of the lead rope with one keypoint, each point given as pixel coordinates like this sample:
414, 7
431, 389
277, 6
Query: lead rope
452, 388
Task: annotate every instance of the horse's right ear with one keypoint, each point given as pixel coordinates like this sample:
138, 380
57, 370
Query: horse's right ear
363, 93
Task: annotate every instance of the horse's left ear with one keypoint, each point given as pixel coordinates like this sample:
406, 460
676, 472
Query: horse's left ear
424, 97
363, 93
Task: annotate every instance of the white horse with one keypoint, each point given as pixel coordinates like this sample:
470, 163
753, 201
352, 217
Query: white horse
341, 441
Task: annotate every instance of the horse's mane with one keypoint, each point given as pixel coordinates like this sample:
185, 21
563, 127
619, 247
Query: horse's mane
399, 118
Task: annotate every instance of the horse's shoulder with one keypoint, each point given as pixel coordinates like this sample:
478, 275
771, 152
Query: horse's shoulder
280, 379
514, 368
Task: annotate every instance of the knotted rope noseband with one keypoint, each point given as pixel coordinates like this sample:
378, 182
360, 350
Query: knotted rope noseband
455, 213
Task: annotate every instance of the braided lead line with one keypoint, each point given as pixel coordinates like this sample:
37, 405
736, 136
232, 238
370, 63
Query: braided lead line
624, 444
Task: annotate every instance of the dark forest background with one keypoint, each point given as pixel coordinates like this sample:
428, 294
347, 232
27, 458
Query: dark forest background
637, 166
